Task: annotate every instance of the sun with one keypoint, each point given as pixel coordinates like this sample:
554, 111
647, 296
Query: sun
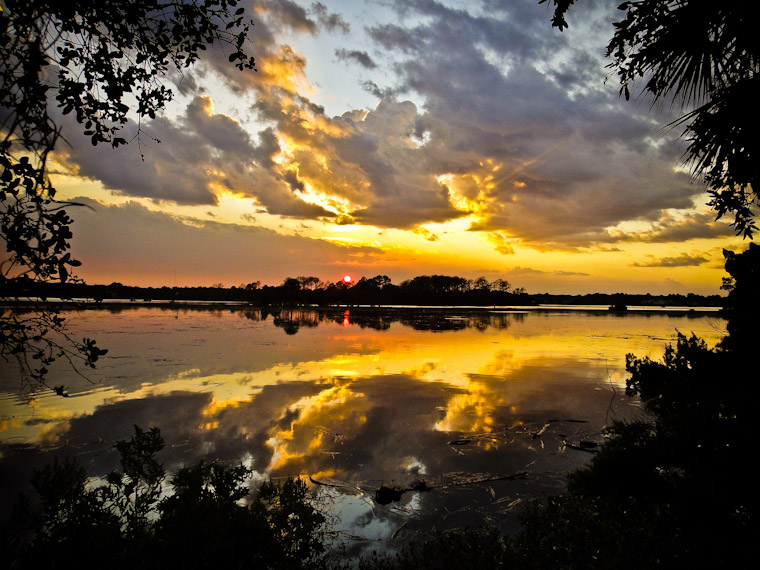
346, 279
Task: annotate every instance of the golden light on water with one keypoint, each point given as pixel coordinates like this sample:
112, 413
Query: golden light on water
336, 374
347, 401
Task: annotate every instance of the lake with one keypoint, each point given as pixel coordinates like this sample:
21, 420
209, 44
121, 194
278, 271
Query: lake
478, 410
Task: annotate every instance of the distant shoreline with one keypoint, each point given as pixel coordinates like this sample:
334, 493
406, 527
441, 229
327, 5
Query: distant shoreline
436, 291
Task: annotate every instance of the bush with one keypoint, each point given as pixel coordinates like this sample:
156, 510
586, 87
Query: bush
209, 521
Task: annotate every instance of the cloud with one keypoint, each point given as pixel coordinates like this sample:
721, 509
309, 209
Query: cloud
533, 271
200, 156
681, 260
360, 57
427, 234
513, 128
501, 242
284, 13
331, 21
569, 160
393, 37
381, 93
697, 225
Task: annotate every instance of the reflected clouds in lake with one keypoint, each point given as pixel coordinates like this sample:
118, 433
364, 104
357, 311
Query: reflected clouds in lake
485, 409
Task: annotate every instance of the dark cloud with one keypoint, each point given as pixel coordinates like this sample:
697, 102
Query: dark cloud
681, 260
360, 57
701, 225
198, 157
331, 21
285, 13
571, 164
394, 37
292, 179
512, 123
377, 91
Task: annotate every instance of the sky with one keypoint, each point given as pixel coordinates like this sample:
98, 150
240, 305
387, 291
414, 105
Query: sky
400, 138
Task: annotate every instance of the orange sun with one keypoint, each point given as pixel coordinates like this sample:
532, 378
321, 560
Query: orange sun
346, 279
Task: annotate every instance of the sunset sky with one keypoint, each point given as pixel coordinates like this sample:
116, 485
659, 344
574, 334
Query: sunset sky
400, 137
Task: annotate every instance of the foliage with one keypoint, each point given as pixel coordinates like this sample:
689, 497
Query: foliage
73, 521
459, 549
34, 341
294, 522
671, 490
134, 493
208, 521
703, 56
103, 61
743, 297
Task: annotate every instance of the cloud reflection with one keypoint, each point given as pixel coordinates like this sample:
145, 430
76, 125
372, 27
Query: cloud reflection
358, 406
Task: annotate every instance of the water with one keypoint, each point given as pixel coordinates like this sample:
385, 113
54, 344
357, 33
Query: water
487, 409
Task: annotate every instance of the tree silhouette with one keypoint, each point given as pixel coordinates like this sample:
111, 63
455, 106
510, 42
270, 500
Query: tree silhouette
100, 60
210, 519
705, 58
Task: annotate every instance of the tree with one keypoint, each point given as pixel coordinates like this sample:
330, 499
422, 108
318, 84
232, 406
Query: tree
670, 490
104, 61
705, 58
743, 287
206, 517
308, 283
501, 285
479, 284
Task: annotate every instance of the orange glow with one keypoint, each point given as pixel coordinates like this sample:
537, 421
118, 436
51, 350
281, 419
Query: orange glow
346, 279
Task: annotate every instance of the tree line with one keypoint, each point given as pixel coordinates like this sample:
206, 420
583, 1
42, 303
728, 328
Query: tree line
425, 290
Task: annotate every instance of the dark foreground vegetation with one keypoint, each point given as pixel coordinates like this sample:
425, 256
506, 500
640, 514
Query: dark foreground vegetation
672, 490
126, 523
379, 290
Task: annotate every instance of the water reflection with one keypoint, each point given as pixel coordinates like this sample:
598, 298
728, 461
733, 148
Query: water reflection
292, 320
484, 408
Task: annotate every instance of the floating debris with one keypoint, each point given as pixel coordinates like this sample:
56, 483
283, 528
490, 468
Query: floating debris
386, 495
587, 446
540, 432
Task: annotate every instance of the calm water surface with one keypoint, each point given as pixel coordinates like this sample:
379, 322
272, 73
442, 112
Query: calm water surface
487, 409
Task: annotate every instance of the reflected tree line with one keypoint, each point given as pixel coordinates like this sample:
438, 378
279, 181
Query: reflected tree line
292, 320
